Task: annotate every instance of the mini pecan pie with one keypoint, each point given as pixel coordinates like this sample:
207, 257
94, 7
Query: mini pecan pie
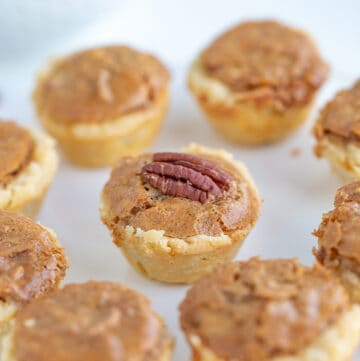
28, 163
102, 103
177, 215
31, 263
94, 321
270, 310
257, 81
337, 132
339, 238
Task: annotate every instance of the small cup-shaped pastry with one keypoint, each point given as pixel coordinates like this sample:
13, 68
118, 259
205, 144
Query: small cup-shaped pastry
339, 239
103, 103
177, 215
32, 263
257, 81
337, 133
94, 321
28, 163
273, 310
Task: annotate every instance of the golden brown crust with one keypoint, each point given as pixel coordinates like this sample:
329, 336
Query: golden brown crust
32, 263
131, 202
16, 144
338, 234
340, 118
266, 62
95, 321
260, 309
99, 85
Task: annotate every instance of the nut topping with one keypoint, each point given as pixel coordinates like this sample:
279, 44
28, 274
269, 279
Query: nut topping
186, 176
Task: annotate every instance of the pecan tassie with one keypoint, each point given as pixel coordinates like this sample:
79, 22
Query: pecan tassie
187, 176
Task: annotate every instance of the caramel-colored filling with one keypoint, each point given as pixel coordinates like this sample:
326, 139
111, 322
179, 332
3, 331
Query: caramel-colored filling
131, 201
100, 85
338, 233
31, 262
260, 309
266, 62
92, 321
340, 118
16, 145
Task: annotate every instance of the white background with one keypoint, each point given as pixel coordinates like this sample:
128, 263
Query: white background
295, 190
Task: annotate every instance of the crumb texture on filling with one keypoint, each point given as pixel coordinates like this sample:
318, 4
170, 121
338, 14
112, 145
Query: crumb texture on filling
259, 309
106, 321
129, 201
99, 85
338, 233
266, 61
32, 263
15, 150
341, 116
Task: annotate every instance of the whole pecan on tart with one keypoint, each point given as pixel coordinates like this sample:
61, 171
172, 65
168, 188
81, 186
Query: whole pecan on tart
187, 176
178, 215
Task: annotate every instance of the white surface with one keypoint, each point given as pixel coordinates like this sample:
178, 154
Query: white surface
296, 190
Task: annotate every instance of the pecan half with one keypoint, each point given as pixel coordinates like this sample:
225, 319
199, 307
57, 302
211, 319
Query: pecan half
186, 176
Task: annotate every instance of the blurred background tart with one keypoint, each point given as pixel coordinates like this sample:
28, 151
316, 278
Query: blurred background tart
177, 215
257, 81
273, 310
93, 321
102, 103
339, 240
28, 163
337, 133
32, 264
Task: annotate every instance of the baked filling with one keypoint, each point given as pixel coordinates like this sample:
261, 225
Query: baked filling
100, 85
266, 62
183, 194
16, 146
339, 120
90, 321
31, 264
261, 309
338, 233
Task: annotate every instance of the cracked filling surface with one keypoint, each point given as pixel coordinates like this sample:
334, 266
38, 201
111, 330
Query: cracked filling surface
31, 262
266, 62
133, 202
340, 118
338, 233
260, 309
100, 85
94, 321
16, 145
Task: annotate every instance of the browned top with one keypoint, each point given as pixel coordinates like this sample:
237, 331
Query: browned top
266, 61
99, 85
257, 310
338, 234
31, 262
15, 148
95, 321
341, 116
132, 201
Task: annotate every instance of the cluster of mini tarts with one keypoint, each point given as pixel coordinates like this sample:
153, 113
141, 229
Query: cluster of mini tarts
106, 321
257, 81
28, 166
103, 103
176, 237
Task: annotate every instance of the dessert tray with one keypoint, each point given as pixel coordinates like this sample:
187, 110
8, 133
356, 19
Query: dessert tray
296, 189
